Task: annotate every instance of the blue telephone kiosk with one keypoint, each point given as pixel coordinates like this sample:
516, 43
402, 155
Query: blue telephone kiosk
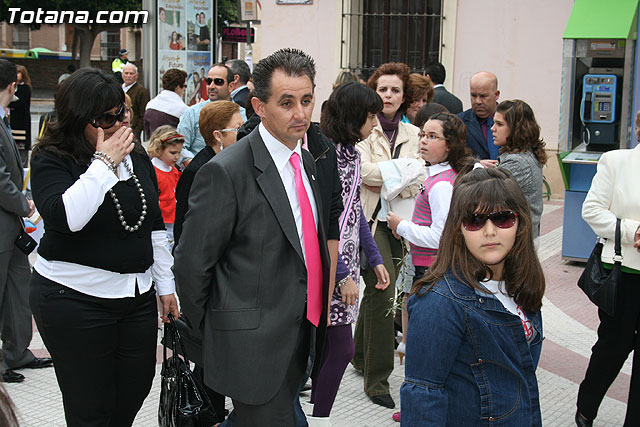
598, 109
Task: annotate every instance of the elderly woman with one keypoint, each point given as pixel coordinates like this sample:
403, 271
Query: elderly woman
167, 107
103, 256
390, 139
614, 195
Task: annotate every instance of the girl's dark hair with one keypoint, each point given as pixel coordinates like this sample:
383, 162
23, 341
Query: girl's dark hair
488, 190
398, 69
346, 112
7, 410
426, 111
455, 133
524, 131
81, 97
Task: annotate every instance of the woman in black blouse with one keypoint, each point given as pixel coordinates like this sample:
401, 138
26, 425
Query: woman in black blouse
103, 256
20, 117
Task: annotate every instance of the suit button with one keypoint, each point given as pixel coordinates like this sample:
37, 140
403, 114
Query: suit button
61, 291
480, 300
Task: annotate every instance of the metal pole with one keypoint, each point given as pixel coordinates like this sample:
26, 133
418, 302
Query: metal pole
149, 49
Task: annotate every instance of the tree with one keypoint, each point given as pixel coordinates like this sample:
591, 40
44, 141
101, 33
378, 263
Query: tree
85, 33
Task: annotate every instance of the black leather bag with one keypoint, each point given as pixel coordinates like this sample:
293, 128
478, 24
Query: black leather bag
600, 284
25, 243
183, 402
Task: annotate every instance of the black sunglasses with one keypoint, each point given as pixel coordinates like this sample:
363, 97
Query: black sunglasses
107, 120
502, 219
218, 81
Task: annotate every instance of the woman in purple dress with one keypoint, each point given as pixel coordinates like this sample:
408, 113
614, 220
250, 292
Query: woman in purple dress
348, 117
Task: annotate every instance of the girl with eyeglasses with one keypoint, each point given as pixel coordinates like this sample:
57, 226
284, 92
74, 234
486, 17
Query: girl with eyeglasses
443, 147
517, 133
475, 328
103, 256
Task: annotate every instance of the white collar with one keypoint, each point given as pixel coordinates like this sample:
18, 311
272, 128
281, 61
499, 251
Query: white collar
160, 164
439, 168
126, 88
279, 152
438, 85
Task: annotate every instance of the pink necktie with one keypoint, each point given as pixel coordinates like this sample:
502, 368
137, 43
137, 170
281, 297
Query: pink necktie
311, 247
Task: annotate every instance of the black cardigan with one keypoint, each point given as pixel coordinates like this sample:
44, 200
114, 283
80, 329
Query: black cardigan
102, 243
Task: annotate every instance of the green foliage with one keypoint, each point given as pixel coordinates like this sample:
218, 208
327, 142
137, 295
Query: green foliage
227, 11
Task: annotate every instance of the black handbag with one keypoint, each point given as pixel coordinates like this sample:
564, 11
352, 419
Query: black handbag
600, 284
24, 242
183, 402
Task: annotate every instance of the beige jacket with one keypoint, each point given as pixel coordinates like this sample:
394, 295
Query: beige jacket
375, 149
614, 194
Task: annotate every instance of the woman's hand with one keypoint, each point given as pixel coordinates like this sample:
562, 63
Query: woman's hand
392, 221
636, 238
487, 163
383, 277
349, 291
118, 145
169, 305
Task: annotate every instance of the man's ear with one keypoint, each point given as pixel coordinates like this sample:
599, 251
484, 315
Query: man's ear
258, 106
497, 94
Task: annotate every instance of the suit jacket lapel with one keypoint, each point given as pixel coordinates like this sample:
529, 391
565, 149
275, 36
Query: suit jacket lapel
271, 185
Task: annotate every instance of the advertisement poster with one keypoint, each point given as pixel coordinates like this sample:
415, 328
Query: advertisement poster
198, 64
185, 42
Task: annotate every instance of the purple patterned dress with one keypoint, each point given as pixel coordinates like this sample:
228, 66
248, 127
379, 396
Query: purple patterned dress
349, 246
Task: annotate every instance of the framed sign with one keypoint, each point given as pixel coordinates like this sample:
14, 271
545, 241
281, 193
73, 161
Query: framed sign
248, 10
294, 1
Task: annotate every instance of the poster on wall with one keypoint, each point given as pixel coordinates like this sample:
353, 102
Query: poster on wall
185, 42
199, 25
198, 64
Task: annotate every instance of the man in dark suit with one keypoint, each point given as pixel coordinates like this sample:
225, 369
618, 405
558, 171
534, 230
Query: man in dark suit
254, 277
479, 118
241, 75
139, 97
436, 73
15, 272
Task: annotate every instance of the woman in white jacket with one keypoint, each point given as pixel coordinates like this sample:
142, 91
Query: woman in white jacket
614, 194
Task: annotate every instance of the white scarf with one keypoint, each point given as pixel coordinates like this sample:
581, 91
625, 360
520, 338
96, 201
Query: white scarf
168, 102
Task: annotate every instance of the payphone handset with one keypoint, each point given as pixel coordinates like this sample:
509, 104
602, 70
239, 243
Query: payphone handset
598, 105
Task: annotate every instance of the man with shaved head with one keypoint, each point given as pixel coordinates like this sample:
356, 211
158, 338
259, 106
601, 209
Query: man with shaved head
479, 118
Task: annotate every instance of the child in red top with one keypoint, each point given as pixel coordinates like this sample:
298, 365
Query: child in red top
165, 146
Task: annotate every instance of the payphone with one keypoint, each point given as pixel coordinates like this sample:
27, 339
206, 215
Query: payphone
599, 111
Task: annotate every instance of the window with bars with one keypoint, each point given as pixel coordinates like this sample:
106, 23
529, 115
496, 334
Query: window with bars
379, 31
21, 36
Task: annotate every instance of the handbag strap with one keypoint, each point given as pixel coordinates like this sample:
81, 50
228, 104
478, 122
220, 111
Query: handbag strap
176, 339
617, 246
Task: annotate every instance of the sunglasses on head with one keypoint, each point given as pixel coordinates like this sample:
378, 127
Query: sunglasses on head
107, 120
502, 219
218, 81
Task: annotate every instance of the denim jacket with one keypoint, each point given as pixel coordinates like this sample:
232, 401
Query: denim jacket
468, 362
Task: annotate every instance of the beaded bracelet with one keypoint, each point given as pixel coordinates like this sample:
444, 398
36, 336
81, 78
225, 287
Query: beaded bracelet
342, 282
106, 159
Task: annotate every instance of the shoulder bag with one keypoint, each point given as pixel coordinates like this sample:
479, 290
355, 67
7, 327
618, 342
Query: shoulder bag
183, 402
601, 284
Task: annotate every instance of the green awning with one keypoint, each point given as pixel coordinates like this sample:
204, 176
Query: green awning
602, 19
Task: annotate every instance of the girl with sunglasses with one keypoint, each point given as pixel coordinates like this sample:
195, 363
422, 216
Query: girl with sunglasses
103, 256
517, 133
475, 329
443, 147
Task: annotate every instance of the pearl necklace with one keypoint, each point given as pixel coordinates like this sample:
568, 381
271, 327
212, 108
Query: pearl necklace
116, 202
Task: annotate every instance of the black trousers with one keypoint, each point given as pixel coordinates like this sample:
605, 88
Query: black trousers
103, 350
617, 337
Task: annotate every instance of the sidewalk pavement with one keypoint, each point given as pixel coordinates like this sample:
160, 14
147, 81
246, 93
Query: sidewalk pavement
570, 323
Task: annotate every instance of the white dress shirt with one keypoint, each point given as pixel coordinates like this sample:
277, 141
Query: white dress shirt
280, 154
81, 202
